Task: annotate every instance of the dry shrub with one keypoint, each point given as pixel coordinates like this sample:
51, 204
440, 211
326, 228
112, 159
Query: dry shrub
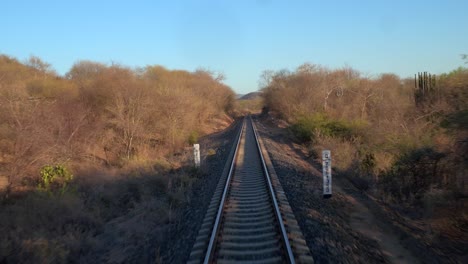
383, 161
102, 115
116, 129
323, 104
106, 217
342, 151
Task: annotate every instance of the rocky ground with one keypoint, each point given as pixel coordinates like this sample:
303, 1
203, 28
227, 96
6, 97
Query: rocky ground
354, 226
343, 229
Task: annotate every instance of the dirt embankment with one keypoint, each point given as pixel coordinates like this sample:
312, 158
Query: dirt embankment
348, 228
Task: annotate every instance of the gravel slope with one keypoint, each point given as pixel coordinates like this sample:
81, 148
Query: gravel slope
325, 223
351, 227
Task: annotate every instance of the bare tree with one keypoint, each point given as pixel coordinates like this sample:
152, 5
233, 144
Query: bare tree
41, 66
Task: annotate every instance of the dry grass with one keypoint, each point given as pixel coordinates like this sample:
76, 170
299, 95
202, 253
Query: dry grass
106, 217
343, 152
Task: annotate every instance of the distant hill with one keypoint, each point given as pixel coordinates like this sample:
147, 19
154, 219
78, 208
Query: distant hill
250, 96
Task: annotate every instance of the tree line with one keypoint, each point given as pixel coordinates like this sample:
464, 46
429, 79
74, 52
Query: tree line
99, 115
386, 135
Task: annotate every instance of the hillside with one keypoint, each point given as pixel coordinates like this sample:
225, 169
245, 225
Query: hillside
251, 96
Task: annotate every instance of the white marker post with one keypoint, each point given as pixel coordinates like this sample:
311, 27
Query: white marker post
327, 177
196, 154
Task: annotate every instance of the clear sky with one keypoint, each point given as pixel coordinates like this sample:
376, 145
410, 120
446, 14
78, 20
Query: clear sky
240, 38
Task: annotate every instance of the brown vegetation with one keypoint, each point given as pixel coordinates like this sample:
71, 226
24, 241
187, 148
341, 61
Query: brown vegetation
402, 145
99, 115
250, 103
115, 129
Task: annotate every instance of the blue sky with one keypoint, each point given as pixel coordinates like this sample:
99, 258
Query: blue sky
240, 38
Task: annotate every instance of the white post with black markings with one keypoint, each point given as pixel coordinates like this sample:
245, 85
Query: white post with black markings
327, 176
196, 154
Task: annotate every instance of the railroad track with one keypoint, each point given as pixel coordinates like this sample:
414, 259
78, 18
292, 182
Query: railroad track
249, 219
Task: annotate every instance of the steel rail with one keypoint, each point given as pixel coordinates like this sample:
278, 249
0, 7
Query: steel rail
214, 233
284, 235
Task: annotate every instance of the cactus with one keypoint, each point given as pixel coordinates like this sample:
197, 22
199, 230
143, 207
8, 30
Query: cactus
425, 87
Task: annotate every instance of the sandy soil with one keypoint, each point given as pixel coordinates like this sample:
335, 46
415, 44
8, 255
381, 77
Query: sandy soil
364, 221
